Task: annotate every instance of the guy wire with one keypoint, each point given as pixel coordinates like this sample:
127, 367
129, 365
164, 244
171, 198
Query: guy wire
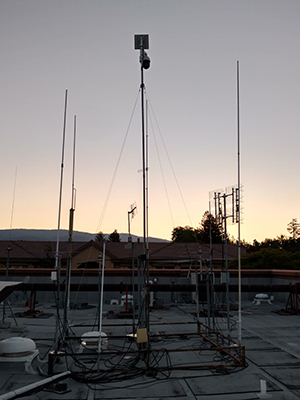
116, 168
170, 163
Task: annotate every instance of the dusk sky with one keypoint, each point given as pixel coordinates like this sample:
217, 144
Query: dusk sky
87, 48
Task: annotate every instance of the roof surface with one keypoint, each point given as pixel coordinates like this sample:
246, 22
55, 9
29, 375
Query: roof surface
271, 340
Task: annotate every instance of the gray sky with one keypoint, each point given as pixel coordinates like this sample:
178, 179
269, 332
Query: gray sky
87, 48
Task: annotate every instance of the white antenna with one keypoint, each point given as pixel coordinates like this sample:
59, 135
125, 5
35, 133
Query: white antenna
239, 209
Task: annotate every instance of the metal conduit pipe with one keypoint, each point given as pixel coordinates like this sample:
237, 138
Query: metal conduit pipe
121, 287
34, 386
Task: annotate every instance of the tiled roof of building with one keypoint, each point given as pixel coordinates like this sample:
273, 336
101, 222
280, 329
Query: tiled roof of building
33, 249
30, 250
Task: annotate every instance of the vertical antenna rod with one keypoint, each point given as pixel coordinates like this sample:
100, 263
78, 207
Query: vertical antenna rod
143, 153
71, 224
57, 261
239, 209
61, 183
147, 181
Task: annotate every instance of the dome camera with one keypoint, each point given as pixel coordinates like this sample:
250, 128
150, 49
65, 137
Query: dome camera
146, 62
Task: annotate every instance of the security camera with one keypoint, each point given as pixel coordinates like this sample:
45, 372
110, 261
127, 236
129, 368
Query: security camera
146, 61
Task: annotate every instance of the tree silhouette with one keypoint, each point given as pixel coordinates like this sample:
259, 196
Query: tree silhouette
209, 226
185, 234
293, 228
114, 237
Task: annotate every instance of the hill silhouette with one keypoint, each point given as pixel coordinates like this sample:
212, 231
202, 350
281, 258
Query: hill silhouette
51, 235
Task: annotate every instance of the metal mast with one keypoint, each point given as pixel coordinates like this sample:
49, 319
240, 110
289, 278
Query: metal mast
239, 209
57, 258
71, 225
141, 43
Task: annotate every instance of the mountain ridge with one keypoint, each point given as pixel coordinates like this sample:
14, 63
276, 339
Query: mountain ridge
51, 235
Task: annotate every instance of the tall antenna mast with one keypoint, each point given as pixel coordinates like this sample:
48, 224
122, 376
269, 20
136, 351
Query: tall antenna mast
141, 42
61, 184
71, 224
57, 260
239, 209
147, 181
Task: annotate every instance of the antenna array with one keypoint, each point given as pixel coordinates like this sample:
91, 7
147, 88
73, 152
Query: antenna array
226, 203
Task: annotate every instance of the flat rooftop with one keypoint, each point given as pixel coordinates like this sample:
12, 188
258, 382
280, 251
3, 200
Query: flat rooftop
270, 337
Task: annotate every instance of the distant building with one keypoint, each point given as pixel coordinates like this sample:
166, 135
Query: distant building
162, 255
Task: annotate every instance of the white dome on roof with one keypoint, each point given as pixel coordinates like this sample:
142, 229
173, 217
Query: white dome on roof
261, 296
16, 347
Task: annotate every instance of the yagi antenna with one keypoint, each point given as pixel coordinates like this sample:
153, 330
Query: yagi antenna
133, 211
131, 214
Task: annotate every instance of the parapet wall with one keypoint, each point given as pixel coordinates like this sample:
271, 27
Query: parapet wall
169, 287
